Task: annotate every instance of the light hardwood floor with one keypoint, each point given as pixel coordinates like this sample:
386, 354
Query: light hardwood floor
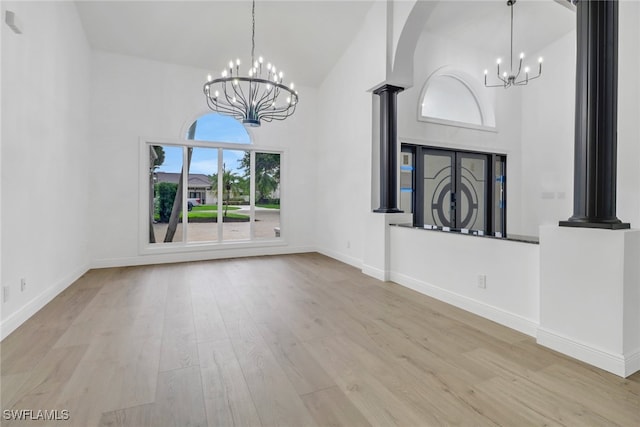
297, 340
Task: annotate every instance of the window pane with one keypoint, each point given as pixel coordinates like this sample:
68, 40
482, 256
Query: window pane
437, 189
267, 225
235, 195
201, 195
472, 193
166, 171
219, 128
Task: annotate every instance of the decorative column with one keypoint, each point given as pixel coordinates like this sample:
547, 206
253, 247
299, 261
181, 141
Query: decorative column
388, 150
596, 123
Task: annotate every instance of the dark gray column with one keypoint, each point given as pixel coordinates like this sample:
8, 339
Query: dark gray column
388, 150
596, 125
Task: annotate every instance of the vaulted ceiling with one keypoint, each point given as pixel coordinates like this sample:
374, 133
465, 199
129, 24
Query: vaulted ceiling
304, 38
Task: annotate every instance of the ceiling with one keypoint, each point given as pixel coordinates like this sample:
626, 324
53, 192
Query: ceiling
485, 24
303, 37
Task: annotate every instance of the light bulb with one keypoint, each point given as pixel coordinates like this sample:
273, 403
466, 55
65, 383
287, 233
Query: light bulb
486, 72
273, 69
255, 64
251, 72
504, 74
275, 79
224, 73
269, 66
260, 59
281, 74
526, 69
292, 85
208, 77
217, 94
288, 100
268, 87
540, 60
296, 92
237, 61
230, 64
254, 103
521, 55
499, 61
234, 99
235, 82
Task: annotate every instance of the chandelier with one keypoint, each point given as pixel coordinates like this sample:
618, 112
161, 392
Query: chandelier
513, 77
259, 96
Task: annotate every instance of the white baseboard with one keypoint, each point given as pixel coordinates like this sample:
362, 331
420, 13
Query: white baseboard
375, 272
617, 364
510, 320
354, 262
14, 320
198, 256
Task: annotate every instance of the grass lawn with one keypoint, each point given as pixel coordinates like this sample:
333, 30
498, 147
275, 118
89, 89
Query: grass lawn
214, 214
211, 208
210, 212
268, 206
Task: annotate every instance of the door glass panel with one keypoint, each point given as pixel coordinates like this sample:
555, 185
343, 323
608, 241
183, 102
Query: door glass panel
472, 193
437, 189
201, 201
499, 197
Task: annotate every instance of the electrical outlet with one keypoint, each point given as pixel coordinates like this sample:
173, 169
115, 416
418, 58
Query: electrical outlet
482, 281
23, 284
5, 293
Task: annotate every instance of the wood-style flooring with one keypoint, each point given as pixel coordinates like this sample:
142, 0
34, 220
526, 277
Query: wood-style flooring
298, 340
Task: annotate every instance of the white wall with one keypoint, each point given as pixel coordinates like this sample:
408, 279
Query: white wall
45, 100
547, 150
628, 207
434, 52
446, 266
343, 165
134, 98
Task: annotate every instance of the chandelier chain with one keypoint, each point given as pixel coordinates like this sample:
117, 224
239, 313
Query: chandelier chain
253, 31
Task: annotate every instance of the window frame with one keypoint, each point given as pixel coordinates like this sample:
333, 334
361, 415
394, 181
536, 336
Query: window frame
417, 200
147, 248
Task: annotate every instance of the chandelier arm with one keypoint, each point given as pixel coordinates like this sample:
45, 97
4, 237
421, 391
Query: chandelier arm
226, 108
240, 95
519, 68
264, 98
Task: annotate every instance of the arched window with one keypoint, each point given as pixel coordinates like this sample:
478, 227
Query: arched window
218, 128
451, 97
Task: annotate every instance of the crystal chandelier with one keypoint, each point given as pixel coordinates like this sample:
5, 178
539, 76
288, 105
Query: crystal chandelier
513, 77
260, 96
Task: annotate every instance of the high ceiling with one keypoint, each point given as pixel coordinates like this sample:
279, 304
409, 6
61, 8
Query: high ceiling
303, 37
485, 24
